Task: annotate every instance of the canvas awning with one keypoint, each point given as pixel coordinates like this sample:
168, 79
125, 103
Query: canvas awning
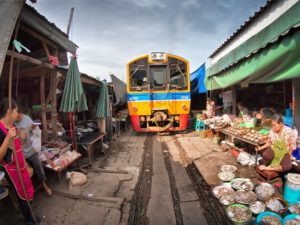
276, 62
9, 12
268, 35
197, 80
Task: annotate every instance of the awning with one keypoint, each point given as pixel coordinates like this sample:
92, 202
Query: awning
9, 12
276, 62
197, 80
283, 24
119, 90
36, 21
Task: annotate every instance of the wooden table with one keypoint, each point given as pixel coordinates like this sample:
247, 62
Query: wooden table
88, 141
255, 144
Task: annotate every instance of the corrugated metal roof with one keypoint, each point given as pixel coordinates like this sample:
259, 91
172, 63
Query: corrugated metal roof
244, 26
33, 10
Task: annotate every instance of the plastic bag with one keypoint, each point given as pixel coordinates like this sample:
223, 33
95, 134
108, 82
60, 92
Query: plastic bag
77, 178
36, 139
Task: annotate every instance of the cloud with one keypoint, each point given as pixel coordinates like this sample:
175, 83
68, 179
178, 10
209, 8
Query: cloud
110, 33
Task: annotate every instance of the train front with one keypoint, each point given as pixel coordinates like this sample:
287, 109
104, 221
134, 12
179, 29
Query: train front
158, 92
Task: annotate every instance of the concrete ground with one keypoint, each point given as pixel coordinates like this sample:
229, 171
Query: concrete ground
143, 179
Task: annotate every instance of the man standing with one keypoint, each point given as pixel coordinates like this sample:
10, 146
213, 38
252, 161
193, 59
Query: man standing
24, 122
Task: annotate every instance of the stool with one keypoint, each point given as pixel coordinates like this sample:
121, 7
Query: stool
200, 125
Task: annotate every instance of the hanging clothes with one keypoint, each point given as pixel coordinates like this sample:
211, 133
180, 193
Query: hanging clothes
11, 169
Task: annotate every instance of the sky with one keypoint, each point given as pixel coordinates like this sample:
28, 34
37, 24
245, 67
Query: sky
110, 33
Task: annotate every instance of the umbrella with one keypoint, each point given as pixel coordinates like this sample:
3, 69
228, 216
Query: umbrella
73, 99
103, 109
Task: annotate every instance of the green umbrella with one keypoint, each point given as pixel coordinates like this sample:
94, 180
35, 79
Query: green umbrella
73, 99
103, 109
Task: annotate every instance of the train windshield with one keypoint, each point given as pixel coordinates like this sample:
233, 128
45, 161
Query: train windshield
158, 77
138, 78
178, 76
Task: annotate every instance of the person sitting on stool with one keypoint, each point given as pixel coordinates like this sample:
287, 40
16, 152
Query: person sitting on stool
276, 153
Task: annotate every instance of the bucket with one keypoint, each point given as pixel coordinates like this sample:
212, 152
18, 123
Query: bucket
292, 188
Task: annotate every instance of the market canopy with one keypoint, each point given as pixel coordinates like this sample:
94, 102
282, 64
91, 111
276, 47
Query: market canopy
9, 13
73, 99
197, 80
269, 34
277, 62
103, 109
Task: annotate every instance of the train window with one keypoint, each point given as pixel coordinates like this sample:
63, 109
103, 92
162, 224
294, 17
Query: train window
178, 79
138, 78
158, 75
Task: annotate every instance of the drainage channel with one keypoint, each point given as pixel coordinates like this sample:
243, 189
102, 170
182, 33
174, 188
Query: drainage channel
142, 193
213, 212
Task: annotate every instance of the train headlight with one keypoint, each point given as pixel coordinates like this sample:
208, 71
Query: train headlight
184, 107
158, 56
134, 109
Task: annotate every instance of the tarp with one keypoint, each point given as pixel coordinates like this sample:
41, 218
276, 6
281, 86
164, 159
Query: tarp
277, 62
103, 109
281, 25
29, 17
73, 99
197, 80
9, 13
119, 90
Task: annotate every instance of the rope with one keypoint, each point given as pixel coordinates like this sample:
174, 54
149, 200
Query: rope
162, 129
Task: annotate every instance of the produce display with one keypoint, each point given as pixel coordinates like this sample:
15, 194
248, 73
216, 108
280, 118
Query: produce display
264, 191
228, 168
295, 208
257, 207
238, 213
271, 220
295, 221
226, 176
276, 205
245, 197
242, 184
252, 136
218, 122
221, 191
227, 199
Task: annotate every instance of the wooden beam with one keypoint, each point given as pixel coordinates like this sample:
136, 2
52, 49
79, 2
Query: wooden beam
46, 49
89, 81
38, 36
30, 59
43, 112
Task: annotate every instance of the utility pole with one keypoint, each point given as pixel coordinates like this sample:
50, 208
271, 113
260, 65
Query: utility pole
70, 21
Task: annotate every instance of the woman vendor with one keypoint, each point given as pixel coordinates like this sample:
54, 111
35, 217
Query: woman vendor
8, 141
276, 153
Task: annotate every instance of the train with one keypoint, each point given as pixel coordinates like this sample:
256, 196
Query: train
158, 92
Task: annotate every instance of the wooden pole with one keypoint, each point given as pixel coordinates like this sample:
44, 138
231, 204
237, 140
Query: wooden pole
70, 21
53, 104
43, 104
11, 125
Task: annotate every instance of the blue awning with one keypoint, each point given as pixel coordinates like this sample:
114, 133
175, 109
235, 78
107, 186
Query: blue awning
197, 80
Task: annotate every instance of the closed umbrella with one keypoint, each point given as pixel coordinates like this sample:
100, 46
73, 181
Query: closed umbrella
103, 107
73, 99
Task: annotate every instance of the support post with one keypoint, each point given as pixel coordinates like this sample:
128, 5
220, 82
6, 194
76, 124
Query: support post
43, 104
234, 103
53, 104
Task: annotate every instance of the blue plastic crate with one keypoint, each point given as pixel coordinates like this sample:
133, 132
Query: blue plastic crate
288, 121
